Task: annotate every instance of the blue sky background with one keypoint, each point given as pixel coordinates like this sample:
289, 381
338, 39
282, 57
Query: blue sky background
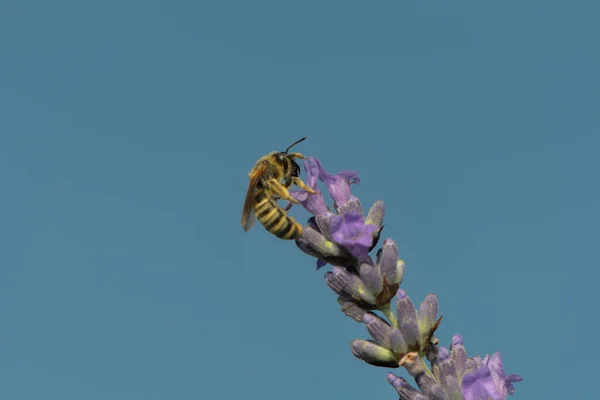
127, 132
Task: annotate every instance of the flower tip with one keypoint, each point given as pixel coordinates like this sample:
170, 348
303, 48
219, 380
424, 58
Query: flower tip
376, 214
390, 242
401, 294
395, 380
514, 378
457, 340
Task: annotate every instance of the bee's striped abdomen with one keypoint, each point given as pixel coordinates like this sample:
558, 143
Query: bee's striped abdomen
274, 219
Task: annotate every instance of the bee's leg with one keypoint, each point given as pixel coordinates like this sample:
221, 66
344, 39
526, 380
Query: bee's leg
288, 206
279, 190
298, 182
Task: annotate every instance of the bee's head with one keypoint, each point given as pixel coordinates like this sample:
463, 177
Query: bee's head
295, 170
289, 164
280, 157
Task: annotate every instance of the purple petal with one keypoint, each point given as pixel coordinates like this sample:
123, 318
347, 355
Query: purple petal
512, 378
338, 185
476, 392
350, 176
312, 167
479, 384
313, 203
496, 366
350, 232
502, 383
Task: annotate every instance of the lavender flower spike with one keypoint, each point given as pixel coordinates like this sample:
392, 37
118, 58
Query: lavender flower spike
348, 230
414, 333
345, 239
460, 377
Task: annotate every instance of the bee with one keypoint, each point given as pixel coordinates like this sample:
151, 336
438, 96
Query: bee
270, 179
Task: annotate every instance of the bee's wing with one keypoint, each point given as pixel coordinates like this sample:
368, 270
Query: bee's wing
250, 220
248, 217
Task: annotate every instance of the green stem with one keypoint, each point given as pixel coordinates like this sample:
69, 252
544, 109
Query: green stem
427, 370
419, 367
387, 311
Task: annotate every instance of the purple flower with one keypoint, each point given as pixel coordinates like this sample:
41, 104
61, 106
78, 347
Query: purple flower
404, 338
338, 185
345, 241
313, 203
489, 379
480, 385
349, 230
457, 376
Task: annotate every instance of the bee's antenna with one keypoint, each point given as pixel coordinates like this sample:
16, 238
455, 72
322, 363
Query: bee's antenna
293, 144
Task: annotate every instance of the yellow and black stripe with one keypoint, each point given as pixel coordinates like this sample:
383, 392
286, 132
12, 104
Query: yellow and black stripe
274, 219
